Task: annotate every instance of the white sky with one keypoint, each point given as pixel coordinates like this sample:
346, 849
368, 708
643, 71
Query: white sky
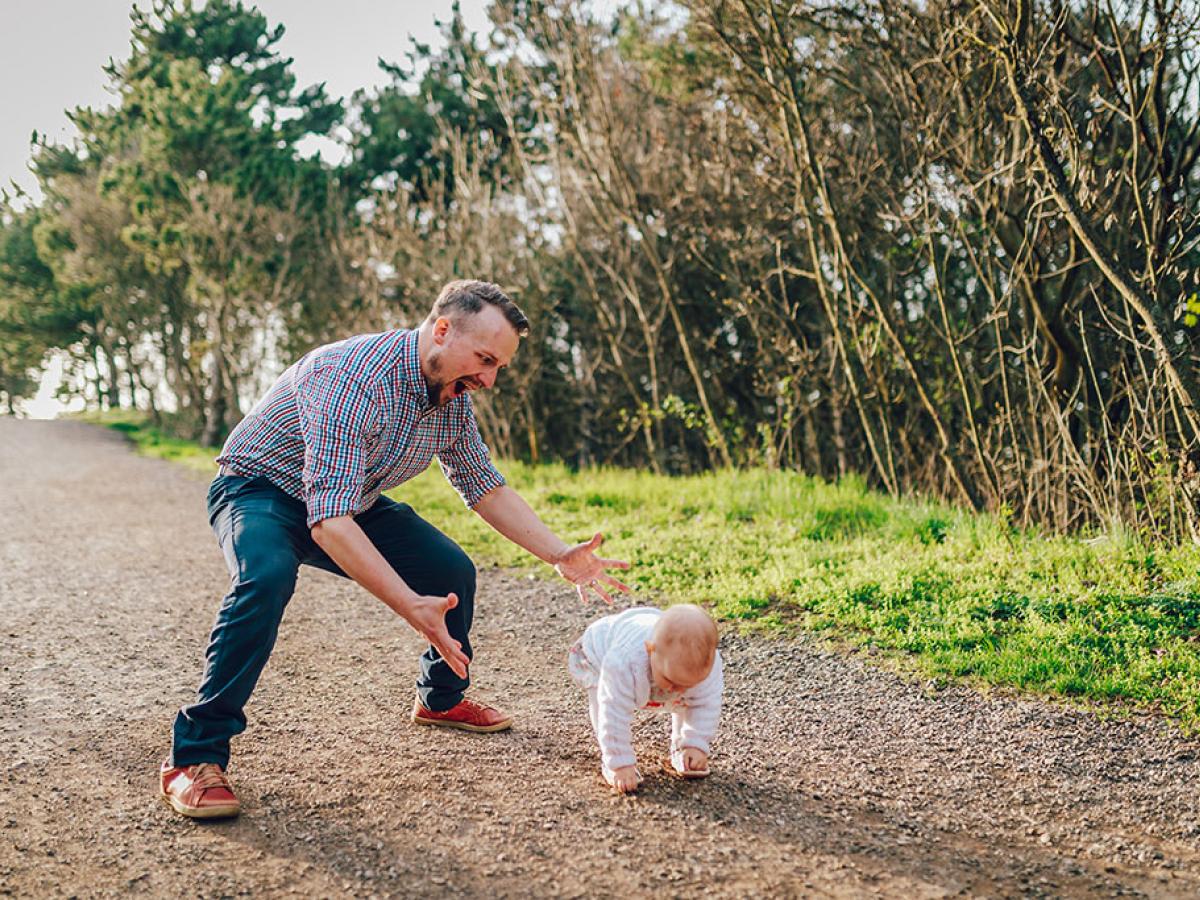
52, 51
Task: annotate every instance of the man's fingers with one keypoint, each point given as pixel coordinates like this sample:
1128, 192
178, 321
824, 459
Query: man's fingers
619, 585
448, 648
579, 591
441, 639
612, 563
596, 541
604, 594
451, 652
451, 601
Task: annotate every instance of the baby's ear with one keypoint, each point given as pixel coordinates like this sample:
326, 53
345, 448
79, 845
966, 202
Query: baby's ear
649, 646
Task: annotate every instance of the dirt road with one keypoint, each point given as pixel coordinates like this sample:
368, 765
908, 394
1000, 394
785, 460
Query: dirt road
831, 778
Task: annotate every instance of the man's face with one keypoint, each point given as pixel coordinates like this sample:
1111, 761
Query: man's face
468, 353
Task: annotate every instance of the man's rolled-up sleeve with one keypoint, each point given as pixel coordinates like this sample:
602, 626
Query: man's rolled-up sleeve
467, 464
336, 414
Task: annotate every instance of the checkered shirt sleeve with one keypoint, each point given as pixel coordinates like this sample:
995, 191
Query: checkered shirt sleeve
467, 463
336, 413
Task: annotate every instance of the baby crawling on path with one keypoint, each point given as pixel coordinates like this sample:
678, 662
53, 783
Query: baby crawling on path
655, 659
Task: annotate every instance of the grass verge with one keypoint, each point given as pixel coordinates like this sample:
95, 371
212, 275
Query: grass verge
948, 594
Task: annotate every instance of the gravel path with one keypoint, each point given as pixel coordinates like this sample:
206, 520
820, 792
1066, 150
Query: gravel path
831, 778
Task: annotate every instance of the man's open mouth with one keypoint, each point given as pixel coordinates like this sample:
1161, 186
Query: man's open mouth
462, 385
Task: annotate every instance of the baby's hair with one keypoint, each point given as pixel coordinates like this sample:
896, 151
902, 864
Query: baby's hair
687, 635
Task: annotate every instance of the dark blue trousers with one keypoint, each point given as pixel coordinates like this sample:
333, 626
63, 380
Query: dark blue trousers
264, 536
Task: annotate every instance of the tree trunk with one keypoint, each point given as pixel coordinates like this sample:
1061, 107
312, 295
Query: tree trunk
1182, 383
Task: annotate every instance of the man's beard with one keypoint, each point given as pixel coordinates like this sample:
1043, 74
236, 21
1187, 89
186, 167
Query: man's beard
434, 386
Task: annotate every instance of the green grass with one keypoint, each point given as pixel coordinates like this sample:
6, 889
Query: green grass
154, 441
946, 594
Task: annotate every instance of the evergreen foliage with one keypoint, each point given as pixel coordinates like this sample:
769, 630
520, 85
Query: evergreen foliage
950, 248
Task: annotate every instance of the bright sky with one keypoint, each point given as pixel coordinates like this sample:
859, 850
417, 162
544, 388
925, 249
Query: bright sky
52, 51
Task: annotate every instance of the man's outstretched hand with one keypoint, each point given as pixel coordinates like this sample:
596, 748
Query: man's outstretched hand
583, 568
427, 614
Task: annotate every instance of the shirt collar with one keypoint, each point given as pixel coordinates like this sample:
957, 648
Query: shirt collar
411, 379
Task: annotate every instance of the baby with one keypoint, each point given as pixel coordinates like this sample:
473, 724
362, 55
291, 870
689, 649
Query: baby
648, 658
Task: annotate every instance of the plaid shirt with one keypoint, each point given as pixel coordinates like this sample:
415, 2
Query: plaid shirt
353, 419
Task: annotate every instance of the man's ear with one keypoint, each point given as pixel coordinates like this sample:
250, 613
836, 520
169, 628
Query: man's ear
441, 327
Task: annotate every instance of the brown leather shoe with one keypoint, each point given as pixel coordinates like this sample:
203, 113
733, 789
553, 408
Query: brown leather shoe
466, 714
199, 792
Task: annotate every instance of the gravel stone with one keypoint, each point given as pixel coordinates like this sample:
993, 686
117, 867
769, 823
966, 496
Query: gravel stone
832, 777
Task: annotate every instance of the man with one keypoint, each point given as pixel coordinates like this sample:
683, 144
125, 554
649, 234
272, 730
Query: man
300, 482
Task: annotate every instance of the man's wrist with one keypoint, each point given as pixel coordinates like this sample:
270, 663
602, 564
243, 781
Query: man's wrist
404, 601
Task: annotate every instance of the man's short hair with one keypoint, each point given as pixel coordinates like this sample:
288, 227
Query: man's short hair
469, 297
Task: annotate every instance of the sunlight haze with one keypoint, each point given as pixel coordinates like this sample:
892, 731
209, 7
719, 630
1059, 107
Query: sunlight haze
46, 69
52, 55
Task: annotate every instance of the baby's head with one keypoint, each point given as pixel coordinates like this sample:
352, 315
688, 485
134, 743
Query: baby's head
682, 648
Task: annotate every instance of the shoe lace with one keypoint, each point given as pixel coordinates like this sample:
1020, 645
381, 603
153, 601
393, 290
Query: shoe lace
475, 710
206, 776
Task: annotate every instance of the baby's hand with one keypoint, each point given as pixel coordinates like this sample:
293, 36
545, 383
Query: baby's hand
626, 779
687, 762
694, 760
